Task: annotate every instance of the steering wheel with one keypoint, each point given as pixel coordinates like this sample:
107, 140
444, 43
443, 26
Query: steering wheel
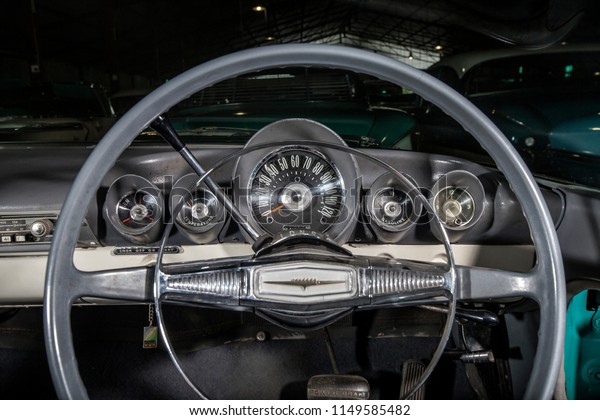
545, 283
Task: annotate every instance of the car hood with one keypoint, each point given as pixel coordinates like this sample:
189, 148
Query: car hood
21, 129
581, 136
37, 129
353, 120
567, 121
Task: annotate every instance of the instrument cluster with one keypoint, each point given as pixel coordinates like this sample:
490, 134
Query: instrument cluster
136, 209
298, 188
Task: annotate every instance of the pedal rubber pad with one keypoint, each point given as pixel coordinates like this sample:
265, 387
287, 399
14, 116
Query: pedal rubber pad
338, 387
411, 373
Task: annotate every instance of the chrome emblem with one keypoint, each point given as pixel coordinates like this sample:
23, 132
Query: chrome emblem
305, 282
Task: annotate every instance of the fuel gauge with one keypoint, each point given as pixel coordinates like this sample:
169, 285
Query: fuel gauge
138, 210
134, 207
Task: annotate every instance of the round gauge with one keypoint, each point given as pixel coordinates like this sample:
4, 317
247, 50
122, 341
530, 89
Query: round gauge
296, 190
138, 210
455, 206
134, 207
391, 209
200, 211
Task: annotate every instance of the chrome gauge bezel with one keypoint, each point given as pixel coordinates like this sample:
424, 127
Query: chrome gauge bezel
464, 201
185, 189
209, 224
118, 191
407, 214
393, 233
471, 188
156, 216
296, 133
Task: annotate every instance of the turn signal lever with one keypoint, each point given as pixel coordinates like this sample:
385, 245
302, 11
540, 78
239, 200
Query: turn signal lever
163, 126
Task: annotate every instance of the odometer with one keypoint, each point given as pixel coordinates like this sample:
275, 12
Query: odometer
296, 190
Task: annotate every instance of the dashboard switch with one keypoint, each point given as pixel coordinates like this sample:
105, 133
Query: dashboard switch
41, 228
20, 238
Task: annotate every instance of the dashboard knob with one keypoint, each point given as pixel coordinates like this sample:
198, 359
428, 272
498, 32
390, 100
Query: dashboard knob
41, 228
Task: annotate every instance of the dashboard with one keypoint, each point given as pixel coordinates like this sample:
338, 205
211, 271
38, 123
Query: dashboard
294, 178
291, 179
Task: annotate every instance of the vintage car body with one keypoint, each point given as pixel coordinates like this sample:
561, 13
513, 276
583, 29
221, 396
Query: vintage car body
548, 111
53, 112
334, 98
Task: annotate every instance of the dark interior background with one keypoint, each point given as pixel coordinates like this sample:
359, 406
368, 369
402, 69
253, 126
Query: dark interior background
141, 43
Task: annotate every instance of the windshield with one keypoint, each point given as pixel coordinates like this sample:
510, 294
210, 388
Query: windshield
547, 105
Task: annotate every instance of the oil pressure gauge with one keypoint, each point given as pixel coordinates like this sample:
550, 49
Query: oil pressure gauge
198, 213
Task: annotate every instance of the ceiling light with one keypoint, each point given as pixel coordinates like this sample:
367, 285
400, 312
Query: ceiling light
270, 38
259, 8
410, 56
438, 47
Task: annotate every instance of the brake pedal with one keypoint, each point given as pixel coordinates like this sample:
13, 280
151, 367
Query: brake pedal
338, 387
412, 370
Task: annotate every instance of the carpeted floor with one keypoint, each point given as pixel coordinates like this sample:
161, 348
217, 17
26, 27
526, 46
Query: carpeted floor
219, 351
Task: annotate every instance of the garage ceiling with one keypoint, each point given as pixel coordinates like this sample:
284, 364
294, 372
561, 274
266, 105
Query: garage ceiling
155, 39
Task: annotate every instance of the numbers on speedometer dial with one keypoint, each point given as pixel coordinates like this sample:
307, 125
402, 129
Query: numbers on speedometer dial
296, 190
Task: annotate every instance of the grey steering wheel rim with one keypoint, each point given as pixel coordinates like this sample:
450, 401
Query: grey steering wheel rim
61, 274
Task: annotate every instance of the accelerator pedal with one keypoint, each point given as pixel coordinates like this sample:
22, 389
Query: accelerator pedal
411, 373
338, 387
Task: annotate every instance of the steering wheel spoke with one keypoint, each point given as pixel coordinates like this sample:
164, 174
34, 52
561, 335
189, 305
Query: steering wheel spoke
125, 284
476, 283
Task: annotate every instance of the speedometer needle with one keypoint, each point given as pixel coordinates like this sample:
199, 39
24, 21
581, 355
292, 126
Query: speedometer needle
268, 212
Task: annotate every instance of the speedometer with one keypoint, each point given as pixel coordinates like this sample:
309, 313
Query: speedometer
296, 190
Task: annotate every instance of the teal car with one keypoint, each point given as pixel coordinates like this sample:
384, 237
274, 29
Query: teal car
546, 102
337, 99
